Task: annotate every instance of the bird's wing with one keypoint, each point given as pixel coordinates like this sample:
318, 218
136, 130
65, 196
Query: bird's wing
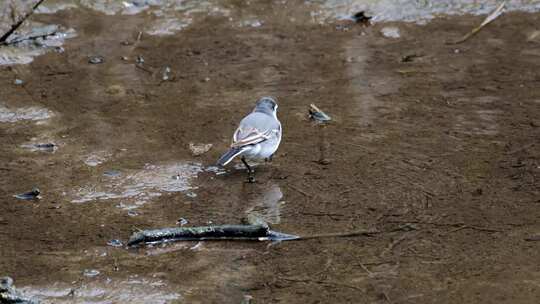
251, 136
253, 129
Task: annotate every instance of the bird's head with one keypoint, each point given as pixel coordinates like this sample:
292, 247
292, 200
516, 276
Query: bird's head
266, 105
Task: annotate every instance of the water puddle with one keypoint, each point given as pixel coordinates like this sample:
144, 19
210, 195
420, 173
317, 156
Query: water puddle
412, 11
482, 122
365, 86
134, 289
267, 205
171, 16
29, 113
136, 187
31, 40
96, 159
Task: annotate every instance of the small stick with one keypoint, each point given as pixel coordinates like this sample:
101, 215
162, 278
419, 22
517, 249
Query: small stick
299, 190
496, 13
139, 66
473, 228
521, 149
339, 234
365, 269
392, 245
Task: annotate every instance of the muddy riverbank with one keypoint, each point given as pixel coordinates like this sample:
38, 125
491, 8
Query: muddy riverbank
434, 145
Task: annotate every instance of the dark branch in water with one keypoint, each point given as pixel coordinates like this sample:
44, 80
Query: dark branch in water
15, 26
226, 232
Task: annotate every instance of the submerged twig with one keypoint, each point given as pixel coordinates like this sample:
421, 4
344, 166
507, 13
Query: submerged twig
339, 234
496, 13
295, 188
15, 26
473, 228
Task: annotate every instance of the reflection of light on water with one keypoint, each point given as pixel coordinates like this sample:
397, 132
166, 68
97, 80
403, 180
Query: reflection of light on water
133, 290
30, 113
34, 39
407, 10
142, 185
267, 205
171, 15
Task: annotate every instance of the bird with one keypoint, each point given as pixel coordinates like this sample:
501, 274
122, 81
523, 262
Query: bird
257, 137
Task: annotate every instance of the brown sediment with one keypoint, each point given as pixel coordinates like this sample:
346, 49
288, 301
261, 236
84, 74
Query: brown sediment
444, 141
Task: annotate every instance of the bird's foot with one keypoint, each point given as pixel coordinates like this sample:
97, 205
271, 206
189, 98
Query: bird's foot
250, 179
251, 176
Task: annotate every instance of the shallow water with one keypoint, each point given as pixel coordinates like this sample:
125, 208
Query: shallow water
416, 11
11, 115
136, 188
428, 144
33, 39
99, 289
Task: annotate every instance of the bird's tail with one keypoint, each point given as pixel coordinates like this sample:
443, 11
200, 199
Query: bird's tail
230, 155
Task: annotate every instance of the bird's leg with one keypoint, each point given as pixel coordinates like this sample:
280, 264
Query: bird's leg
251, 172
269, 159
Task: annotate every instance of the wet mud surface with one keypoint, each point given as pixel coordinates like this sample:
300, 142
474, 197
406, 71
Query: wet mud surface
433, 145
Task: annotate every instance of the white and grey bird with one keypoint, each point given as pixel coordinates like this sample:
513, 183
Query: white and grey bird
257, 137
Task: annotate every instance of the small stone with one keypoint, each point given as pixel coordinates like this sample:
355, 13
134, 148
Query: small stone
182, 221
90, 273
199, 149
115, 243
247, 299
112, 173
534, 36
166, 74
96, 59
390, 32
132, 213
116, 89
32, 195
18, 82
140, 59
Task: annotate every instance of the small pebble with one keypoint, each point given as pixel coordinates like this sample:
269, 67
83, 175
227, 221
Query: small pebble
111, 173
132, 213
191, 194
96, 59
182, 221
140, 59
90, 273
18, 82
390, 32
115, 243
32, 195
166, 74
